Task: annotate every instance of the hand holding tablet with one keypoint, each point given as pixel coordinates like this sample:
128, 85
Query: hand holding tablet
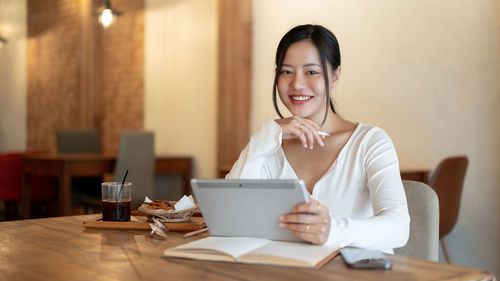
309, 221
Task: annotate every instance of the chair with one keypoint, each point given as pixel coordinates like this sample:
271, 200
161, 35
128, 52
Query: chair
136, 154
86, 191
423, 207
447, 180
78, 141
42, 188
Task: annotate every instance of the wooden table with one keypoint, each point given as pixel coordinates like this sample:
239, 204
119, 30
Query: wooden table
61, 249
413, 174
67, 166
421, 175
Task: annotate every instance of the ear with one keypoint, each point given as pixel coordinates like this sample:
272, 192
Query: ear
335, 77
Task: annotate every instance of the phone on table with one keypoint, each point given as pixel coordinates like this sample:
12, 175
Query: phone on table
365, 258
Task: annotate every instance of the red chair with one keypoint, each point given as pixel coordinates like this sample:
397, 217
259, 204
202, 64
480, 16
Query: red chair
42, 188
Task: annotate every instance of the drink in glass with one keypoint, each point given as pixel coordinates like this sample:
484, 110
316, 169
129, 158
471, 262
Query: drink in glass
116, 201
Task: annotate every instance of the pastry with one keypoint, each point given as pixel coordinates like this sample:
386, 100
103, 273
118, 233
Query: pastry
159, 205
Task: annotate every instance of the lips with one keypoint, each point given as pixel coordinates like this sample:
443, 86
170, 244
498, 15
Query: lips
300, 99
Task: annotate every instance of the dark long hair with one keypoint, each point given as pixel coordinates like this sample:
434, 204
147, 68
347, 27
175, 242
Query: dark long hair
328, 48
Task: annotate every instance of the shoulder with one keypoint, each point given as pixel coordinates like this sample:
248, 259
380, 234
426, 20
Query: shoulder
269, 125
268, 129
370, 134
376, 145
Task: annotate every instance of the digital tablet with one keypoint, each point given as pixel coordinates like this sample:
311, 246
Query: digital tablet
248, 208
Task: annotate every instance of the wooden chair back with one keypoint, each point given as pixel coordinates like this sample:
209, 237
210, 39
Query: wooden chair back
447, 180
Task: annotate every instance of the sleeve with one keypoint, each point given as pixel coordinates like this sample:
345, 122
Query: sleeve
390, 224
253, 162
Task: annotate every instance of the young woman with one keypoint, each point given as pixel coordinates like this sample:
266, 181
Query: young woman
352, 175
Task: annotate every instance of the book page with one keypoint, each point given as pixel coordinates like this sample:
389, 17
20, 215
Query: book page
233, 246
290, 253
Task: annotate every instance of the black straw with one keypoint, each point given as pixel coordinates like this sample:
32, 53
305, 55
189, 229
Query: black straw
123, 181
119, 193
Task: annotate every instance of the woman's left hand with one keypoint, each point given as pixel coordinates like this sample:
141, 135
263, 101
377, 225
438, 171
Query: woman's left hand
309, 221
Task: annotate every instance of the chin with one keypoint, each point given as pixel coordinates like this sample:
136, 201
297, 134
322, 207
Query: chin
317, 118
306, 112
301, 111
302, 115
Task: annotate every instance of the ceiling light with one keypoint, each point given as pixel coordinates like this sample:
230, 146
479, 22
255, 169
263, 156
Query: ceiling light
107, 15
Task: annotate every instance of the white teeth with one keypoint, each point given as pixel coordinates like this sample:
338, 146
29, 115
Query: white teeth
301, 97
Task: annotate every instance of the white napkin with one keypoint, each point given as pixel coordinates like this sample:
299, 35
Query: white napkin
184, 203
147, 200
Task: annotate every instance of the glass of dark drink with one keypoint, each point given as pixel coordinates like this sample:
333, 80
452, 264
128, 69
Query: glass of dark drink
116, 201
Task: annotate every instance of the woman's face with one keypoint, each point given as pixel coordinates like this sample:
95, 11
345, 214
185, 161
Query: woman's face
301, 83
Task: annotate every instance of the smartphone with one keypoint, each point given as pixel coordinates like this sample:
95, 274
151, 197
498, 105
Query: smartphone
365, 258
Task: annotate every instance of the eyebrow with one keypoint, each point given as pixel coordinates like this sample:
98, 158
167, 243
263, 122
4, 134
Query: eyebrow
308, 64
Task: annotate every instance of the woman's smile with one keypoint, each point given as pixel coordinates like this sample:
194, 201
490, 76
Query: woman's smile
300, 99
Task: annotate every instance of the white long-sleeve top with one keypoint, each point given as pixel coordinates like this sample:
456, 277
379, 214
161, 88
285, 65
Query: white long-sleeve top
362, 189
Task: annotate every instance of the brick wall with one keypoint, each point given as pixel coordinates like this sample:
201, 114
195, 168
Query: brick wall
119, 74
52, 70
58, 96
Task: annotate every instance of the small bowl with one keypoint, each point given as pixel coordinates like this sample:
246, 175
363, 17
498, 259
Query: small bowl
170, 215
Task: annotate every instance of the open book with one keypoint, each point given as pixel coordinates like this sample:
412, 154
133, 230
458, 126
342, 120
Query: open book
255, 250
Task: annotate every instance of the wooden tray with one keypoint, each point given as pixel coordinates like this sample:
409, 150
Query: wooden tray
194, 224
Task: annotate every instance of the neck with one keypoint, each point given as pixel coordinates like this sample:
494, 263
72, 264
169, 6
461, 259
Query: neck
333, 122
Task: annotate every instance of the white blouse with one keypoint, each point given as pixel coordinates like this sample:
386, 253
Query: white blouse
362, 189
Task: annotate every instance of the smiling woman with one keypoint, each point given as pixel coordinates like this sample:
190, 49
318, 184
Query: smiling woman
352, 175
322, 46
301, 81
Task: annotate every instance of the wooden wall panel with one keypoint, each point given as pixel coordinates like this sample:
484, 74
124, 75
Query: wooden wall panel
119, 74
53, 67
235, 48
81, 75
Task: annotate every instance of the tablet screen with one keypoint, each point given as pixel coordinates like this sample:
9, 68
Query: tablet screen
249, 208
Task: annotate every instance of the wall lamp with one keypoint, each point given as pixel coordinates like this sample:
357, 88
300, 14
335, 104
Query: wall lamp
107, 15
3, 41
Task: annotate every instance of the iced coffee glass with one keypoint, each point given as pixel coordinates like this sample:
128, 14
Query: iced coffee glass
116, 201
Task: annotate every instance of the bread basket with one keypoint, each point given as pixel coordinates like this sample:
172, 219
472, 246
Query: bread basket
169, 215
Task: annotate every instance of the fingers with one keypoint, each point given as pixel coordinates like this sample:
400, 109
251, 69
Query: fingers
314, 233
309, 134
311, 212
315, 238
303, 139
311, 123
313, 207
310, 221
303, 218
312, 228
319, 139
306, 228
303, 129
309, 130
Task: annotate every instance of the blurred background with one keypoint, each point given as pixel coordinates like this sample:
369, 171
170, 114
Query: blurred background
428, 72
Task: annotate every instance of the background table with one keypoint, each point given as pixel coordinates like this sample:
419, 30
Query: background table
61, 249
67, 166
406, 174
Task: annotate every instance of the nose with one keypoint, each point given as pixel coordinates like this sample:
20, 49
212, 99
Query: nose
297, 81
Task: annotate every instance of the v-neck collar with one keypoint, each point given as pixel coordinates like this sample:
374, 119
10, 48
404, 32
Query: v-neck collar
287, 165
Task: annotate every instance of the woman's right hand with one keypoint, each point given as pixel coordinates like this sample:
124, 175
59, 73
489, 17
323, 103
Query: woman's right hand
303, 129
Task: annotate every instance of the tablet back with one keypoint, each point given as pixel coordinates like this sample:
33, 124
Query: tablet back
248, 208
